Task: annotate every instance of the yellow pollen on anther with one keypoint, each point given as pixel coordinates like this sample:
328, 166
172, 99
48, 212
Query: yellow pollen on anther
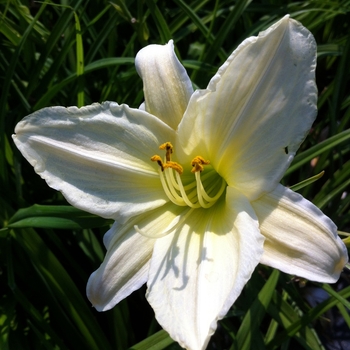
157, 159
173, 165
168, 147
193, 194
197, 163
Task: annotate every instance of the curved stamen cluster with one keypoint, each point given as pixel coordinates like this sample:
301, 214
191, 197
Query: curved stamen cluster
192, 195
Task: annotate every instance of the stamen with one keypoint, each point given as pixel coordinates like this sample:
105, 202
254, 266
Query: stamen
168, 180
197, 163
173, 165
166, 232
171, 179
158, 160
201, 193
170, 172
184, 195
168, 147
178, 185
170, 191
175, 184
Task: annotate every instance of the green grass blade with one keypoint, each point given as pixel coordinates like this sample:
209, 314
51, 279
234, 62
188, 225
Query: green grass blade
59, 217
64, 289
157, 341
164, 31
80, 61
225, 29
248, 332
307, 319
318, 149
5, 91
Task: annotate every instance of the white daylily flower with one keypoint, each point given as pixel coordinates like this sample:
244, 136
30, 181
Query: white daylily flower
194, 237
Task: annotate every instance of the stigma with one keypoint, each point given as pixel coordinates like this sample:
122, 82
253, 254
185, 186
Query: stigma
193, 195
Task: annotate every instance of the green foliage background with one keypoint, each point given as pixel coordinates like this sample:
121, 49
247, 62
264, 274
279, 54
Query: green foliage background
78, 52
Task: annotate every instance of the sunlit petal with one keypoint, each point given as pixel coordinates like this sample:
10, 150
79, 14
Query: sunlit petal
197, 273
97, 156
166, 85
257, 108
300, 239
126, 264
123, 271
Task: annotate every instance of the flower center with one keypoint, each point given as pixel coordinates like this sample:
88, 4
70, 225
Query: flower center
200, 192
193, 194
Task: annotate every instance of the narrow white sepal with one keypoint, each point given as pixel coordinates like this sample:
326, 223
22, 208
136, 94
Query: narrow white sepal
300, 239
166, 85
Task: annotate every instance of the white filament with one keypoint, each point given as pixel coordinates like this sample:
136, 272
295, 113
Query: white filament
176, 192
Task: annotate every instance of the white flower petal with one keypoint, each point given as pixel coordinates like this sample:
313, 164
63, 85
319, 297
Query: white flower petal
97, 156
166, 85
198, 272
300, 239
126, 264
124, 269
257, 109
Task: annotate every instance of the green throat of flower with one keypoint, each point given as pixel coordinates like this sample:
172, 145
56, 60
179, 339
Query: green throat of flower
202, 192
193, 195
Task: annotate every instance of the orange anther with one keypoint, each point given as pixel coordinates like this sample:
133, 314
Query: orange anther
197, 163
157, 159
173, 165
168, 147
